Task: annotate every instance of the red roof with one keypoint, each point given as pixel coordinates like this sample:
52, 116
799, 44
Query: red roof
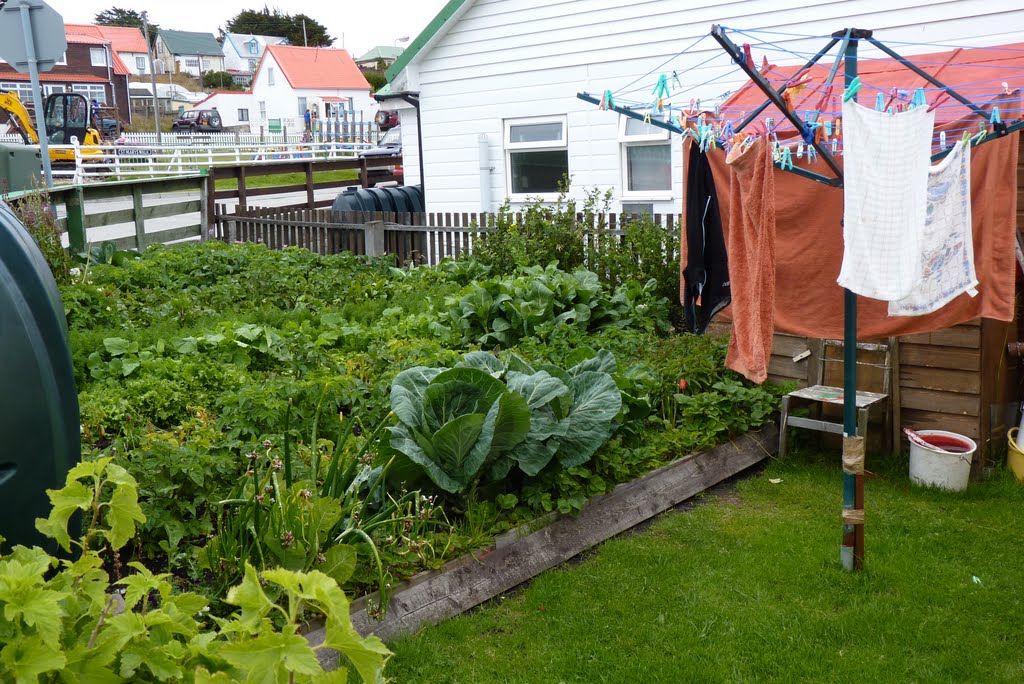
317, 67
121, 38
977, 74
84, 34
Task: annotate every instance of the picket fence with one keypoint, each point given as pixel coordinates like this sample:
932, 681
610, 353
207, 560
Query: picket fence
410, 238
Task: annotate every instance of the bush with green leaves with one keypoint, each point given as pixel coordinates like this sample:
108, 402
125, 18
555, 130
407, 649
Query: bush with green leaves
60, 621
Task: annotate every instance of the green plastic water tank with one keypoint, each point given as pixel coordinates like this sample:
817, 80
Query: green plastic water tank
40, 431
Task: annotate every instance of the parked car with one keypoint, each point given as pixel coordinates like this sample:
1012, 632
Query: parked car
390, 145
206, 120
386, 119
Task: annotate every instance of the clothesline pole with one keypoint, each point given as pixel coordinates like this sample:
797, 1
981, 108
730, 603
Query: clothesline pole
852, 550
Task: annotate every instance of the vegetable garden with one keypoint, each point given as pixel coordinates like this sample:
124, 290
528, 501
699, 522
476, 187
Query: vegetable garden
287, 421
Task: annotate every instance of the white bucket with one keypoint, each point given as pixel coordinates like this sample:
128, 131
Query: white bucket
937, 468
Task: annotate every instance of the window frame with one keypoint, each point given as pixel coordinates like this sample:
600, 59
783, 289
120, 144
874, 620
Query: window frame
509, 147
92, 57
270, 76
141, 64
243, 114
651, 139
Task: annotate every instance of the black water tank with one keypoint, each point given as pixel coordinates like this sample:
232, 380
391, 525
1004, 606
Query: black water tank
39, 420
407, 198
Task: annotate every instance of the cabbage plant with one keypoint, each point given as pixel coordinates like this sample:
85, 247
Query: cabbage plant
485, 417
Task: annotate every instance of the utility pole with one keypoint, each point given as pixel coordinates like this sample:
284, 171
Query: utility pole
152, 76
305, 43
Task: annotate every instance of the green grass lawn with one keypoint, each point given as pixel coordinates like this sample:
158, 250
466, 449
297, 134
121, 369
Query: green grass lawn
749, 588
288, 179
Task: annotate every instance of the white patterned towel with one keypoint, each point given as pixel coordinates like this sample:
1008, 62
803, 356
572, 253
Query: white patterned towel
947, 268
885, 168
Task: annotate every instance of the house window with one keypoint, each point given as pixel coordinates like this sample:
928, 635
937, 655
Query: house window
206, 64
62, 60
243, 114
646, 159
254, 47
638, 208
51, 89
192, 62
263, 109
270, 76
302, 106
536, 155
98, 56
92, 92
24, 91
140, 63
252, 65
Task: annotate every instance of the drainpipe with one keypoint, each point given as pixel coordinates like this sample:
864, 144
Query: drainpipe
483, 153
415, 102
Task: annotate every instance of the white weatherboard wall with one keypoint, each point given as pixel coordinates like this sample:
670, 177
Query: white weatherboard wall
501, 59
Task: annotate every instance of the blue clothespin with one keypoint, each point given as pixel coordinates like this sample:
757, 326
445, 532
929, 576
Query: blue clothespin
852, 89
828, 129
919, 98
728, 131
995, 118
812, 154
880, 103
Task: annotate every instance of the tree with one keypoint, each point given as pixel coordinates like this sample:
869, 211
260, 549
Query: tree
221, 80
115, 16
274, 22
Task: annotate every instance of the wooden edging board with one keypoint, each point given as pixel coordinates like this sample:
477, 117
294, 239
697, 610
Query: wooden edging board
520, 555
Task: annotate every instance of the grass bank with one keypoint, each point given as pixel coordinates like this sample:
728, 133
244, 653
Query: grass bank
288, 179
750, 589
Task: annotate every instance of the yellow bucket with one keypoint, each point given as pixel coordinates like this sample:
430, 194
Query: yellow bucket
1015, 456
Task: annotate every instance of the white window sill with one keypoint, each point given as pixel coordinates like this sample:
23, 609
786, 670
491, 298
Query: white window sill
647, 196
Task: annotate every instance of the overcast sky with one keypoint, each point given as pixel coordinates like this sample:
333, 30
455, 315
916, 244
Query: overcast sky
356, 26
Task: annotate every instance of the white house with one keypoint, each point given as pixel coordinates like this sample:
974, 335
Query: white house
126, 41
188, 52
288, 81
243, 52
495, 84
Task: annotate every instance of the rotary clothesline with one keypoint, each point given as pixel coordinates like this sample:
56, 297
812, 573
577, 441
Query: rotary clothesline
818, 128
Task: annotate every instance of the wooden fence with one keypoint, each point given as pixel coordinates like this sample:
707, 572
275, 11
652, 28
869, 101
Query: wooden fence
412, 238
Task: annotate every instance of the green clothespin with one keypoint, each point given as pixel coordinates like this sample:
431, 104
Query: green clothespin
609, 99
852, 89
661, 88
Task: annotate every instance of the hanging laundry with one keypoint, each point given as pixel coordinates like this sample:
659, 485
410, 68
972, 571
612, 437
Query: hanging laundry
751, 247
706, 269
885, 169
948, 245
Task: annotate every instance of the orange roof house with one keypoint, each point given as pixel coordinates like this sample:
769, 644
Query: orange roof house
126, 42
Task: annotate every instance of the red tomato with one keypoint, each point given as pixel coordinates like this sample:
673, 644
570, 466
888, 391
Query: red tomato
682, 384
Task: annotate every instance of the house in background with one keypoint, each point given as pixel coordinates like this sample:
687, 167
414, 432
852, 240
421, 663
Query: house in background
379, 58
494, 86
171, 98
188, 52
89, 67
126, 41
289, 80
243, 52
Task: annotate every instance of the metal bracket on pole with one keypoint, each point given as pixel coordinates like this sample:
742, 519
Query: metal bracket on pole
26, 7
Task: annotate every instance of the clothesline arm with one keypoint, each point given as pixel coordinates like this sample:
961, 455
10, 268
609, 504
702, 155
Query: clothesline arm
762, 83
1000, 128
587, 97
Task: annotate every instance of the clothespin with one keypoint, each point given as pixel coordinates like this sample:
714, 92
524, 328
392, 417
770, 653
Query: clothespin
919, 98
942, 140
966, 138
940, 99
982, 133
839, 125
675, 80
852, 89
880, 103
812, 154
800, 150
787, 159
661, 88
747, 59
604, 101
828, 129
728, 131
995, 118
647, 117
835, 146
609, 99
1006, 88
769, 125
692, 111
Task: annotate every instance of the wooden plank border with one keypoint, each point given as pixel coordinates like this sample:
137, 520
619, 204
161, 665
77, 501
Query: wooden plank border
522, 554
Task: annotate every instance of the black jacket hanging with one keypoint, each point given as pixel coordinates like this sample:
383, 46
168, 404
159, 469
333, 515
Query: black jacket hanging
706, 275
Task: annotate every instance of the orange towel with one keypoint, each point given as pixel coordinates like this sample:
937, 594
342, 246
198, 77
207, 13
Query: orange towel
750, 243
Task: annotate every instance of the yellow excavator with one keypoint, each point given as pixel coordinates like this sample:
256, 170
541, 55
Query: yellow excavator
66, 115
